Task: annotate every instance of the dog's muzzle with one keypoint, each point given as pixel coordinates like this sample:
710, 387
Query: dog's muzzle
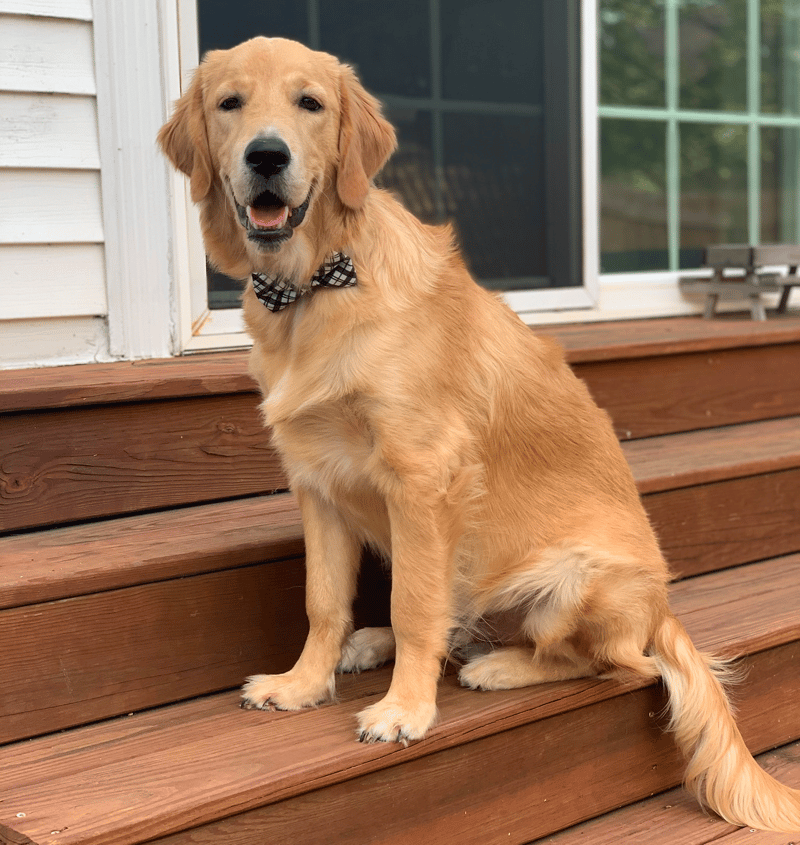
268, 217
269, 220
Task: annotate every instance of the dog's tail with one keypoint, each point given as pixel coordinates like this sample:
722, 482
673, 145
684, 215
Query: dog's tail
721, 772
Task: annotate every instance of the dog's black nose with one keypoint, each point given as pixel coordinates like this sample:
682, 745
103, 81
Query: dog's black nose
267, 156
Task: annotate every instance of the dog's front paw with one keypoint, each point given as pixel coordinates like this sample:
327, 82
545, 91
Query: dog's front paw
392, 721
367, 648
284, 692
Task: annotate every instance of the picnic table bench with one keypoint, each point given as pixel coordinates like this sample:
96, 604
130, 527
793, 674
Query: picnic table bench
753, 281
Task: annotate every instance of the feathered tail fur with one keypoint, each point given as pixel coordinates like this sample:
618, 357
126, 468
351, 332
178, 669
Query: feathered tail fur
721, 772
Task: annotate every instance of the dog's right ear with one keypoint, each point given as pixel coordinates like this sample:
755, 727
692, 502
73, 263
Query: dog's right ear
184, 139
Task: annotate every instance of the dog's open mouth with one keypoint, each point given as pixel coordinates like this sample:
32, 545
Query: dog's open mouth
269, 219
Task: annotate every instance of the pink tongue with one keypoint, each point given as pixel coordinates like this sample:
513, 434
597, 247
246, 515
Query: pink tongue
268, 218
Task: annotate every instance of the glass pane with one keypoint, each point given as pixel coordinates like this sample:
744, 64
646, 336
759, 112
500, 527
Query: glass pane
713, 52
631, 53
410, 171
481, 167
633, 207
494, 190
780, 181
780, 56
491, 50
223, 24
388, 43
713, 188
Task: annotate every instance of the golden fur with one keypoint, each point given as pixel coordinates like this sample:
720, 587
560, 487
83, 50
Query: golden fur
416, 413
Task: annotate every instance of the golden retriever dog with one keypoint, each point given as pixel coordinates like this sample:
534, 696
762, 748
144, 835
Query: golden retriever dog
414, 412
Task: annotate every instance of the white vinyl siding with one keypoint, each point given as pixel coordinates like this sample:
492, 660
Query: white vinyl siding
53, 300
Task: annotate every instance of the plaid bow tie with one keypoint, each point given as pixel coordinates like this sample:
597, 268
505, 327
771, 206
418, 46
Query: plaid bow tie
276, 294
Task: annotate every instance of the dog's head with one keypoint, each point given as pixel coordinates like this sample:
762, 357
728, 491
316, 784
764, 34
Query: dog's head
275, 139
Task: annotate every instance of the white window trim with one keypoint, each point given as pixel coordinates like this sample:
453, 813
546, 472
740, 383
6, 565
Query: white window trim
156, 270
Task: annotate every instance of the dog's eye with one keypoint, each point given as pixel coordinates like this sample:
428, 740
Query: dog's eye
309, 104
230, 103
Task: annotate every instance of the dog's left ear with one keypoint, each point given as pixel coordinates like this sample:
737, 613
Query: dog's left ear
366, 140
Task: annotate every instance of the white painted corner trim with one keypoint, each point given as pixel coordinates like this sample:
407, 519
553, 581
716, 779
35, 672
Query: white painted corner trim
136, 58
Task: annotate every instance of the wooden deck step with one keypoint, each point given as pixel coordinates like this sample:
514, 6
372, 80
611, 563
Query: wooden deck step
95, 441
721, 497
135, 612
673, 815
507, 766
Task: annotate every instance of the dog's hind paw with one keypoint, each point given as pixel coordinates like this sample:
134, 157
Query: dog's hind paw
367, 648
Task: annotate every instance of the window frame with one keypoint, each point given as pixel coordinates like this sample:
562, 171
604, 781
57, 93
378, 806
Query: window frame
202, 329
169, 314
671, 115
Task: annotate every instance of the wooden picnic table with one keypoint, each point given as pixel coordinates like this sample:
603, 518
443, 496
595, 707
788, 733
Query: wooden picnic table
753, 280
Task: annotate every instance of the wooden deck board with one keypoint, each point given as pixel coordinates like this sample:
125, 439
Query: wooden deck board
146, 782
690, 458
226, 372
94, 557
77, 464
674, 815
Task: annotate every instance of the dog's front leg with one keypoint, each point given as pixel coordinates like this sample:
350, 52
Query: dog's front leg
332, 560
421, 620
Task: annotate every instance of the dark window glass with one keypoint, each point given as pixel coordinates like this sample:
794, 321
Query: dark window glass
633, 203
484, 97
713, 188
713, 50
631, 53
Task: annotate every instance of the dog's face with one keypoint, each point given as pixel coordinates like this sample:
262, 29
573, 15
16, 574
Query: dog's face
273, 134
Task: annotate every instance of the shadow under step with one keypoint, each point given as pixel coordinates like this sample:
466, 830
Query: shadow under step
504, 766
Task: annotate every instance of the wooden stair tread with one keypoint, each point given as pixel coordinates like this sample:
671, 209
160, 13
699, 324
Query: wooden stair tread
674, 815
222, 373
135, 549
671, 461
134, 778
586, 342
88, 558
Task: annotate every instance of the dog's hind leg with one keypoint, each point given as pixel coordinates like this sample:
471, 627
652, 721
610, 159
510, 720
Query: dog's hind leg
367, 648
523, 666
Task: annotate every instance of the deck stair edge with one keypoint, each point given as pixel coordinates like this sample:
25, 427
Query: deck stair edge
159, 772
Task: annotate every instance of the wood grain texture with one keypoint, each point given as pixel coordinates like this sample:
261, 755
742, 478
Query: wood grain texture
225, 372
196, 763
99, 556
701, 457
79, 660
505, 788
675, 816
625, 339
516, 784
70, 465
663, 395
125, 381
727, 523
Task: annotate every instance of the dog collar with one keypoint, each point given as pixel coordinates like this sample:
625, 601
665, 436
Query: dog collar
276, 293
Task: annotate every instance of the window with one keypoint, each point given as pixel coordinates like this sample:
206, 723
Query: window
700, 128
485, 97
